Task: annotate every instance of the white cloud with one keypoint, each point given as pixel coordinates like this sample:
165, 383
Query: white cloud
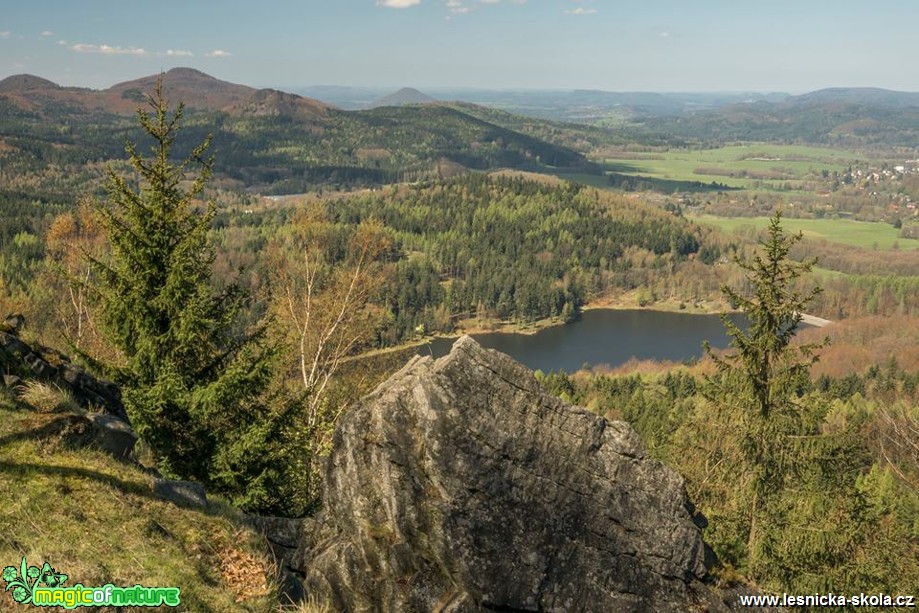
489, 1
581, 11
664, 35
398, 4
179, 53
5, 34
218, 53
47, 33
108, 49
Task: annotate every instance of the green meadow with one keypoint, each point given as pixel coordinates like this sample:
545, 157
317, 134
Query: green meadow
752, 166
864, 234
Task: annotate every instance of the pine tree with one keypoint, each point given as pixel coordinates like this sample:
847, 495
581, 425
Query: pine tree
192, 388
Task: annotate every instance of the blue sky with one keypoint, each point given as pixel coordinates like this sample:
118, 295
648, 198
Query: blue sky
617, 45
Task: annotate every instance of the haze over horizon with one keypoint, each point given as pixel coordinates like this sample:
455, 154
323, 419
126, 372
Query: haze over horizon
667, 46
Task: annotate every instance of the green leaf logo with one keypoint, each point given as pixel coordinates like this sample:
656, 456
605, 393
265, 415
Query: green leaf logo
50, 577
23, 580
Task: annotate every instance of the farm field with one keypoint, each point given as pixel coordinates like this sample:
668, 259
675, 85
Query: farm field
752, 166
864, 234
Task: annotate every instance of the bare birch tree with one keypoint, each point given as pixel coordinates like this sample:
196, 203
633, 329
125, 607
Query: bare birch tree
325, 278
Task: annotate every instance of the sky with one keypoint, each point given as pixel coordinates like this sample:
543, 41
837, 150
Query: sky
792, 46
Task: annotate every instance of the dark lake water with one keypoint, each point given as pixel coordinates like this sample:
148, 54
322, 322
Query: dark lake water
604, 336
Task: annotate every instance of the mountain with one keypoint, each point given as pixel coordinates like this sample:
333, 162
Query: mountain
406, 95
22, 83
263, 139
199, 91
834, 116
862, 96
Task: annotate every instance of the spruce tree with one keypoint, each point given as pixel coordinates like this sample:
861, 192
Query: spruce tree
759, 382
765, 358
192, 388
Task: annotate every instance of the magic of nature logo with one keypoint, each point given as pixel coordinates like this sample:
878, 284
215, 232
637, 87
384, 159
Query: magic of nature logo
44, 587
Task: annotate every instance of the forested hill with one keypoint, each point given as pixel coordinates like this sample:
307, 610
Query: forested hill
837, 116
508, 248
53, 139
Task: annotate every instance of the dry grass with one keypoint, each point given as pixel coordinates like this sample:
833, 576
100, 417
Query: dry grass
48, 398
863, 342
310, 605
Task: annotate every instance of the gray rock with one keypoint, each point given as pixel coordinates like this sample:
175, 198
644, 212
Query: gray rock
183, 493
11, 381
18, 358
14, 322
458, 485
287, 544
95, 431
112, 435
283, 532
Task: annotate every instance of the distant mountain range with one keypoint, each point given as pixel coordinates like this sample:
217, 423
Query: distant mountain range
202, 91
198, 90
280, 142
268, 140
863, 96
834, 116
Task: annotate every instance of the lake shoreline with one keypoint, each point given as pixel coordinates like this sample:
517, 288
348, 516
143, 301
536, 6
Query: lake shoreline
623, 302
628, 301
603, 336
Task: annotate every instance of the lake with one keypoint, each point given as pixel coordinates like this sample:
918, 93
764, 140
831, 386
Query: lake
604, 336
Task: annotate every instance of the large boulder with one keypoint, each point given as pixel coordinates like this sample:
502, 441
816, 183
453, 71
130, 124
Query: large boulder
459, 485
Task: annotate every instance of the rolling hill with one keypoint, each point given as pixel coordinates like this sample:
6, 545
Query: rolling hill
835, 116
264, 140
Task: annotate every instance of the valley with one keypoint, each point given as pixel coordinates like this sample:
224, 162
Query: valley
594, 236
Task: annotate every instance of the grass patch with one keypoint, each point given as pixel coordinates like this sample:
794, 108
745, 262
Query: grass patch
95, 519
757, 166
48, 398
863, 234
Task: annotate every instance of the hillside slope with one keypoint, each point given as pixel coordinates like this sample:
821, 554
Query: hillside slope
97, 519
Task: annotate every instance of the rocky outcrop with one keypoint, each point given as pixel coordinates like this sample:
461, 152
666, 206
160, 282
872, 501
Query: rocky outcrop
105, 426
458, 485
19, 360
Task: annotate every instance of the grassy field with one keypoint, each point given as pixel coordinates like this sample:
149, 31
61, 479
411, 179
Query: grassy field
95, 518
864, 234
754, 166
